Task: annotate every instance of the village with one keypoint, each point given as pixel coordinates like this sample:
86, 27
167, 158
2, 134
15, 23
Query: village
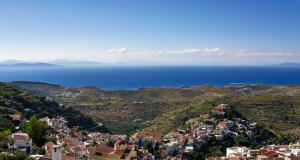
214, 127
65, 143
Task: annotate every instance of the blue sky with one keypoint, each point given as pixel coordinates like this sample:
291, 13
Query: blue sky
212, 32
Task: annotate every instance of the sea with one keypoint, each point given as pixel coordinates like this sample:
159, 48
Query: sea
135, 77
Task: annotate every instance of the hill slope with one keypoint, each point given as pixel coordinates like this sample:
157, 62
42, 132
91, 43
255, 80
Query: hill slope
15, 101
280, 113
165, 109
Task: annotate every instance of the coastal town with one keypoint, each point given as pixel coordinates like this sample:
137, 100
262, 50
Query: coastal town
65, 143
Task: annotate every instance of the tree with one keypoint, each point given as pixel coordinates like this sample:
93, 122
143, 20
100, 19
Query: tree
149, 146
40, 151
216, 152
17, 156
241, 140
4, 139
20, 156
110, 143
36, 130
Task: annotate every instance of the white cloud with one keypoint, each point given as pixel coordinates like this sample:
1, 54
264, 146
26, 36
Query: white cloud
117, 51
219, 56
204, 56
192, 51
213, 50
245, 53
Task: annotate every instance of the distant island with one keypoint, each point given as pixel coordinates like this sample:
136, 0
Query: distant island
289, 64
29, 65
55, 63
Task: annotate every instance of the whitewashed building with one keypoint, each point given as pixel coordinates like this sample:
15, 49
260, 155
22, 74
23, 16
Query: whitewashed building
22, 142
57, 152
236, 152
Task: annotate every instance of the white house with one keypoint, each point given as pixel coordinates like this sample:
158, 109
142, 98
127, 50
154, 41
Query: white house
171, 147
57, 152
296, 152
47, 121
206, 128
188, 149
59, 122
22, 142
236, 152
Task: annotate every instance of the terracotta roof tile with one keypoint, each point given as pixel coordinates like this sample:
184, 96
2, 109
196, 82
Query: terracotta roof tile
20, 137
15, 117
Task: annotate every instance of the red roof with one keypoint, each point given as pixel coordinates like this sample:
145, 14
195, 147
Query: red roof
268, 153
15, 117
20, 137
136, 136
152, 137
49, 147
236, 158
70, 142
69, 156
211, 158
294, 158
101, 150
223, 124
120, 142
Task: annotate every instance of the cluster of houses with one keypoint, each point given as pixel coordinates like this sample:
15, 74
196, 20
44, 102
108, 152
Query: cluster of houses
145, 143
274, 152
72, 143
200, 130
65, 143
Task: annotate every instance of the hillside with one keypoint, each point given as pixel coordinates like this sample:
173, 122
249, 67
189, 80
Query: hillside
280, 113
122, 111
165, 109
15, 101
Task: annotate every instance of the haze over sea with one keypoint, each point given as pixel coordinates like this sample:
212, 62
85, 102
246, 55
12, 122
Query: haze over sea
117, 77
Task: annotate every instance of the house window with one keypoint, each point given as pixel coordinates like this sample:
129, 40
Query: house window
54, 149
